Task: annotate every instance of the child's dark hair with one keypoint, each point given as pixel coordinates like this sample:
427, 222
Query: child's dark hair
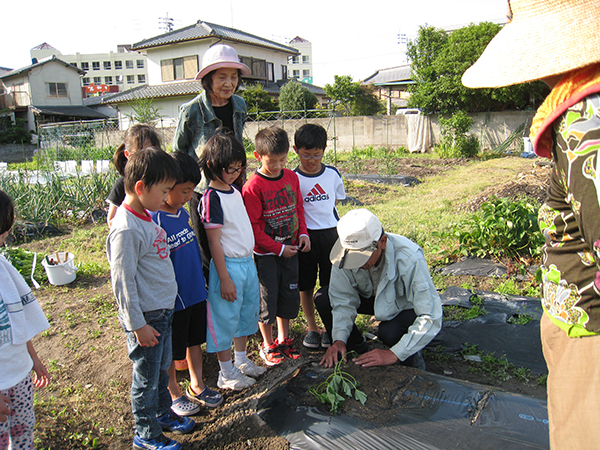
152, 166
310, 136
190, 172
7, 212
134, 139
221, 150
272, 141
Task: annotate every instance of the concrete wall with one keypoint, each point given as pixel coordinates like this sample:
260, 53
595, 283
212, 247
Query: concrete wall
14, 153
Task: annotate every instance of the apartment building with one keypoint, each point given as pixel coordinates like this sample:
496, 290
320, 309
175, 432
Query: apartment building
300, 65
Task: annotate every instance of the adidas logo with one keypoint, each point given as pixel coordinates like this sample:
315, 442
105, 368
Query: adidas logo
316, 194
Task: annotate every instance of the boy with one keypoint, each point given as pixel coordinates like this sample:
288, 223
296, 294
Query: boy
189, 316
144, 285
321, 186
274, 203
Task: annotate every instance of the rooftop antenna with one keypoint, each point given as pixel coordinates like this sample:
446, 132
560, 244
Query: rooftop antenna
166, 23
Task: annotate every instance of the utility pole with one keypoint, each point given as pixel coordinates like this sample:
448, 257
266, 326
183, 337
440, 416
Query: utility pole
166, 23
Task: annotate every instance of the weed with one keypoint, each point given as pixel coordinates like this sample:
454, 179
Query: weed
542, 380
329, 390
520, 319
461, 313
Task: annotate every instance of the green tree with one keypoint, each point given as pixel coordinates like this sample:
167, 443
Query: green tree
439, 59
354, 98
295, 97
144, 111
13, 133
257, 99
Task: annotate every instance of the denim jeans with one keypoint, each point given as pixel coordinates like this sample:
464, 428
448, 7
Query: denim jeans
150, 397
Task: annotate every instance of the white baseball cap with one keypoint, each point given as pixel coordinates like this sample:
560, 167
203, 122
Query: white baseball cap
359, 232
220, 56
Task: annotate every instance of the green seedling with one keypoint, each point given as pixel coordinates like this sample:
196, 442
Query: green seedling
328, 392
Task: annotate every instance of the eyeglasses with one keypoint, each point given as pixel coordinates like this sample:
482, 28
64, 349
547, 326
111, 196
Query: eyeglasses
231, 170
313, 157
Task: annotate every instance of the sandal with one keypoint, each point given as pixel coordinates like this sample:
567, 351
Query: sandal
183, 407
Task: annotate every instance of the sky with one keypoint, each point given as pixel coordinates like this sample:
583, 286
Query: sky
346, 39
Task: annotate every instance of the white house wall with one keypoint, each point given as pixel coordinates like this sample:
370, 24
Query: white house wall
168, 109
58, 73
157, 54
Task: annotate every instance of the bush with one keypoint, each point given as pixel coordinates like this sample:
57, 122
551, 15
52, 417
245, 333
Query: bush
502, 227
13, 133
455, 142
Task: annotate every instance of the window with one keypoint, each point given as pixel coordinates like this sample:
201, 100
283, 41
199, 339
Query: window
97, 80
141, 79
130, 79
108, 80
120, 79
284, 72
85, 66
74, 64
305, 73
140, 63
118, 65
184, 68
305, 59
85, 81
258, 67
296, 73
270, 71
107, 65
295, 59
56, 90
129, 64
96, 65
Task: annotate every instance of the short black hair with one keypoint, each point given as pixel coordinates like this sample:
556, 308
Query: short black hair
7, 212
310, 136
134, 140
190, 172
207, 81
152, 166
221, 150
272, 141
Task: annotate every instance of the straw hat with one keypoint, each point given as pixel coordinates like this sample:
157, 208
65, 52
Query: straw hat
542, 38
219, 56
359, 232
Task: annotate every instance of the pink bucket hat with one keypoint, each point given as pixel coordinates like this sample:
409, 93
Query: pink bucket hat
219, 56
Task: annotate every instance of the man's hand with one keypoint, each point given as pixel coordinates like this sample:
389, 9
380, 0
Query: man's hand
289, 251
377, 357
146, 336
334, 353
4, 409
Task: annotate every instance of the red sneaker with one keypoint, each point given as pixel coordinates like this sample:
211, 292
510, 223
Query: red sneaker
270, 354
287, 348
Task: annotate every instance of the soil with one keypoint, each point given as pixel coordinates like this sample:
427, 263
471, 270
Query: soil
87, 404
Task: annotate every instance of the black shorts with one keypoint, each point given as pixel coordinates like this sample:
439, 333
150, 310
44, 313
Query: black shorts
189, 329
279, 295
321, 242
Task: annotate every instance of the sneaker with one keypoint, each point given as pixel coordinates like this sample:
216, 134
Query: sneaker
234, 380
183, 407
176, 424
325, 339
207, 397
287, 348
271, 355
312, 340
158, 443
181, 365
250, 369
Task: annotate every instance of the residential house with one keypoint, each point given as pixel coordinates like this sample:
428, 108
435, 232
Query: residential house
300, 65
45, 91
111, 72
175, 58
391, 85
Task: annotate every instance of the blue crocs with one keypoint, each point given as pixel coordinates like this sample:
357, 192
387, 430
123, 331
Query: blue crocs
176, 424
158, 443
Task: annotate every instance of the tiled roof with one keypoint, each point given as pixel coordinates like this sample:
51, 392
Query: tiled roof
298, 40
183, 88
4, 70
43, 46
393, 75
69, 111
204, 30
40, 63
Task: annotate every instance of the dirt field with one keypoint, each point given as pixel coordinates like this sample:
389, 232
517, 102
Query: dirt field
87, 405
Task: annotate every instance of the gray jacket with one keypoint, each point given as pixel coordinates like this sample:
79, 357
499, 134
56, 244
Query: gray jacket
405, 283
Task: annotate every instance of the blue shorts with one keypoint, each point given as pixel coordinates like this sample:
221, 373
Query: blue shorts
226, 320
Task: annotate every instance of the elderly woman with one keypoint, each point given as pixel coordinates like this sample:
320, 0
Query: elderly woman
216, 106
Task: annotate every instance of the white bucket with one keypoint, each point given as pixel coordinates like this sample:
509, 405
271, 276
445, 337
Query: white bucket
63, 271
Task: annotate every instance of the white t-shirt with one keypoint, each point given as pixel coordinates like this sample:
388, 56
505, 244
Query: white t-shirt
320, 192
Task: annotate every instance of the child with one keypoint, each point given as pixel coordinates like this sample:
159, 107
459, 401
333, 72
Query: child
137, 137
21, 318
144, 285
272, 197
233, 293
321, 186
189, 317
